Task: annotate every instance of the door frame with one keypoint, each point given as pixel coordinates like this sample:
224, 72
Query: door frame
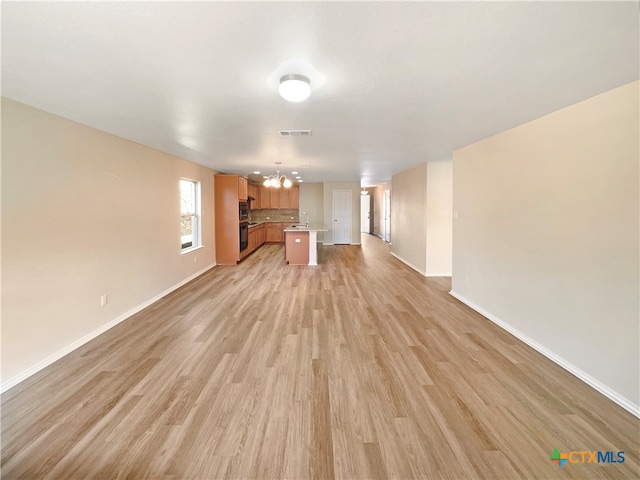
386, 216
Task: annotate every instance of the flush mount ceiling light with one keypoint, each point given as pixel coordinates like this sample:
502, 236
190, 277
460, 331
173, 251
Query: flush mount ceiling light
277, 180
294, 87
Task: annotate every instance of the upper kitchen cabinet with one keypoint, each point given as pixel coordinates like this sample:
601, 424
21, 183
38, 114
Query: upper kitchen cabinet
280, 198
242, 189
254, 197
284, 197
265, 197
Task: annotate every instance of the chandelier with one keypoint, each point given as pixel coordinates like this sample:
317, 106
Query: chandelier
277, 180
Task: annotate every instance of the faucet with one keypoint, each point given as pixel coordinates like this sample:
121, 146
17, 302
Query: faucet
307, 217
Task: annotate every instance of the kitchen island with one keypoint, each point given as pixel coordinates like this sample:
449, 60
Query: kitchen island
301, 244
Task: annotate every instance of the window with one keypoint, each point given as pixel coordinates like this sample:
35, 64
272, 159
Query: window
189, 215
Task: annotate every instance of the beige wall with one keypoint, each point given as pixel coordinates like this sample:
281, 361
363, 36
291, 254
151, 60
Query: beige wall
328, 188
312, 203
421, 230
546, 239
439, 218
84, 214
408, 217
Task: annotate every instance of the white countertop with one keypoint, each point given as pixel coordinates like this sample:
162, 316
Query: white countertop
303, 228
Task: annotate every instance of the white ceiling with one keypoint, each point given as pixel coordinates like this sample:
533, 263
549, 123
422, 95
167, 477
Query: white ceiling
393, 84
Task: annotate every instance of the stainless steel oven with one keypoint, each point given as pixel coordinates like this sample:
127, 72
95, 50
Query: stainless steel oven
244, 235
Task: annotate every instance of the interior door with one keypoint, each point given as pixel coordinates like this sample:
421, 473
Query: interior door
386, 233
342, 216
365, 213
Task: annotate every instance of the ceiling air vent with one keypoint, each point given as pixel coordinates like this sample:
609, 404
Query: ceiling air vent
295, 133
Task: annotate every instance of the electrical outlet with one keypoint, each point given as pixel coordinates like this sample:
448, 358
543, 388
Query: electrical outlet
104, 300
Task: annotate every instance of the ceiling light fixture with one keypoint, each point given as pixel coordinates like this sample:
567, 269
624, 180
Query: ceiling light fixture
277, 180
294, 87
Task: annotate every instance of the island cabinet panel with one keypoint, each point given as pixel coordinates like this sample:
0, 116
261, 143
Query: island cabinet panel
297, 248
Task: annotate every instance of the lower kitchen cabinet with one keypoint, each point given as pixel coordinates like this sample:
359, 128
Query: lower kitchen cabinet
256, 238
275, 232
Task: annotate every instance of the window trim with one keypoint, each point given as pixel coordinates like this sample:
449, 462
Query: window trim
197, 216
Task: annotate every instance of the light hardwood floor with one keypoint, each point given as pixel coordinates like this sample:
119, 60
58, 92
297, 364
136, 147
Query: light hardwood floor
359, 368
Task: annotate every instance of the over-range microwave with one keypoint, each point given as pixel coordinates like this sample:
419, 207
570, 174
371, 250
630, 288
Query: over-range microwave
244, 211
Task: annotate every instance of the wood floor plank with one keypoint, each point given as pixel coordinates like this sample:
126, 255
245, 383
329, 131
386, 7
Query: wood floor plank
356, 368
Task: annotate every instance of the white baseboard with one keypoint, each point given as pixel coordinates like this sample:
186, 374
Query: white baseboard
323, 243
438, 274
422, 272
12, 382
582, 375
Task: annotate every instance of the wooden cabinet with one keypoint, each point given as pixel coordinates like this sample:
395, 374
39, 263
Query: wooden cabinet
274, 196
284, 197
294, 197
256, 239
242, 189
229, 190
279, 198
275, 232
265, 197
227, 219
254, 191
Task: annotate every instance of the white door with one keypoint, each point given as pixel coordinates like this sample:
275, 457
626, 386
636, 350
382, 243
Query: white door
341, 216
365, 214
386, 232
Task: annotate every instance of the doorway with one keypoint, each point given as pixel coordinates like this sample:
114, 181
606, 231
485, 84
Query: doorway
386, 226
342, 216
365, 213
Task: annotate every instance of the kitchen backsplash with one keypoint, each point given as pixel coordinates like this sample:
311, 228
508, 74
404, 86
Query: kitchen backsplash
275, 215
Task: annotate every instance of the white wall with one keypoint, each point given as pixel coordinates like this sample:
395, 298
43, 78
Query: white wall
84, 214
439, 219
547, 236
328, 188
